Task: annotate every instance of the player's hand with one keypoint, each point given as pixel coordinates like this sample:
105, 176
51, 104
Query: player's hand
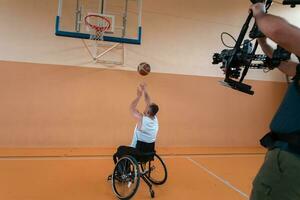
258, 9
143, 86
139, 92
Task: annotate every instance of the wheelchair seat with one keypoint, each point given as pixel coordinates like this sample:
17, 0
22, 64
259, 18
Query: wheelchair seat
144, 151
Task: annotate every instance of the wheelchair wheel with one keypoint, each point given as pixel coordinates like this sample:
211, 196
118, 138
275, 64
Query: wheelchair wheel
156, 170
126, 178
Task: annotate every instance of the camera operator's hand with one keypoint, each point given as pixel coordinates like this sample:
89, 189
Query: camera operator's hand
267, 49
262, 40
258, 9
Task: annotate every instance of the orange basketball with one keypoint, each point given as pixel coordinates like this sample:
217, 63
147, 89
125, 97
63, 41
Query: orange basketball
144, 69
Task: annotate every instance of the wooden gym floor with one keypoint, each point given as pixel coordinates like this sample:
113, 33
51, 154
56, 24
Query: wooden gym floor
80, 174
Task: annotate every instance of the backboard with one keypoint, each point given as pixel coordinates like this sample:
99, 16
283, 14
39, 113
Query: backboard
125, 16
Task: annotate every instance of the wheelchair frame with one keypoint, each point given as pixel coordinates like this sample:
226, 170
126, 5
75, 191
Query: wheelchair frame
128, 172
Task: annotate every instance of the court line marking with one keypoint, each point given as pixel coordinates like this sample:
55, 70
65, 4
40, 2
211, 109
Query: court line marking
227, 155
107, 157
227, 183
54, 158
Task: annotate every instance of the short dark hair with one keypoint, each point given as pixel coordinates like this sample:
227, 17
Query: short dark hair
153, 109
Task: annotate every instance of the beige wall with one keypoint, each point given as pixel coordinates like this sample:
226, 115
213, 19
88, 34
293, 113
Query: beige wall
59, 106
179, 37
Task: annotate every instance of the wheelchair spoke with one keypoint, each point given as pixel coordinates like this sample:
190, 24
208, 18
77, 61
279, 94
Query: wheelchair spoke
124, 166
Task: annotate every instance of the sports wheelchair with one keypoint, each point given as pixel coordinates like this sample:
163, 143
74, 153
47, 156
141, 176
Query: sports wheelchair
130, 168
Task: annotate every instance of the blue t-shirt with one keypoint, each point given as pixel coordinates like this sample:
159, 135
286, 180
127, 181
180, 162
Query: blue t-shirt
287, 118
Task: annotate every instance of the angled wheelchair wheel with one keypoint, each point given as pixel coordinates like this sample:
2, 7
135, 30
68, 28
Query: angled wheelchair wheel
156, 170
126, 178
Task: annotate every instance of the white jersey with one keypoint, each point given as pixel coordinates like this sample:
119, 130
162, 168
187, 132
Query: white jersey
148, 131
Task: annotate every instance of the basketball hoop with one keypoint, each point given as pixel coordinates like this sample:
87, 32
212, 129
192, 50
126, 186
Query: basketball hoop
99, 24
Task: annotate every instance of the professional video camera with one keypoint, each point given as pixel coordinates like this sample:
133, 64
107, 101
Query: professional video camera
242, 55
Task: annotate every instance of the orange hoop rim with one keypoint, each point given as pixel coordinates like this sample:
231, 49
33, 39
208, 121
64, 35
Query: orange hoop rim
98, 28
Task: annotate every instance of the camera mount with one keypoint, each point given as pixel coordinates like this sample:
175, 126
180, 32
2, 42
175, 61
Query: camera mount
243, 54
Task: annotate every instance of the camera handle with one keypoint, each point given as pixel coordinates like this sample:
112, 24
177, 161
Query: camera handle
238, 85
237, 46
245, 71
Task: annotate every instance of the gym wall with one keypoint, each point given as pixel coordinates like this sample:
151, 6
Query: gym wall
62, 106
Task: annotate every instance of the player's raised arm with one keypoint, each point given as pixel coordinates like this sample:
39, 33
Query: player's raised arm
146, 94
134, 104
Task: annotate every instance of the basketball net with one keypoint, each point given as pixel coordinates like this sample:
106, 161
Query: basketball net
97, 25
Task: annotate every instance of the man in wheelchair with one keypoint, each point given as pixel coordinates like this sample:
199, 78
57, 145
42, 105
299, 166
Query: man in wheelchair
146, 129
139, 160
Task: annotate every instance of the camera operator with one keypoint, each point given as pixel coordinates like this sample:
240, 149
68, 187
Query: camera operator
279, 176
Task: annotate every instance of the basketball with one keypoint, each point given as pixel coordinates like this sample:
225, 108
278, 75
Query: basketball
144, 69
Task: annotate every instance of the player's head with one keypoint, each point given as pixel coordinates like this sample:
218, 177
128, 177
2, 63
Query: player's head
152, 109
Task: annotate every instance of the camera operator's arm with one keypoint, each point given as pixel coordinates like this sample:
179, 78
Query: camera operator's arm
277, 29
267, 49
286, 67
